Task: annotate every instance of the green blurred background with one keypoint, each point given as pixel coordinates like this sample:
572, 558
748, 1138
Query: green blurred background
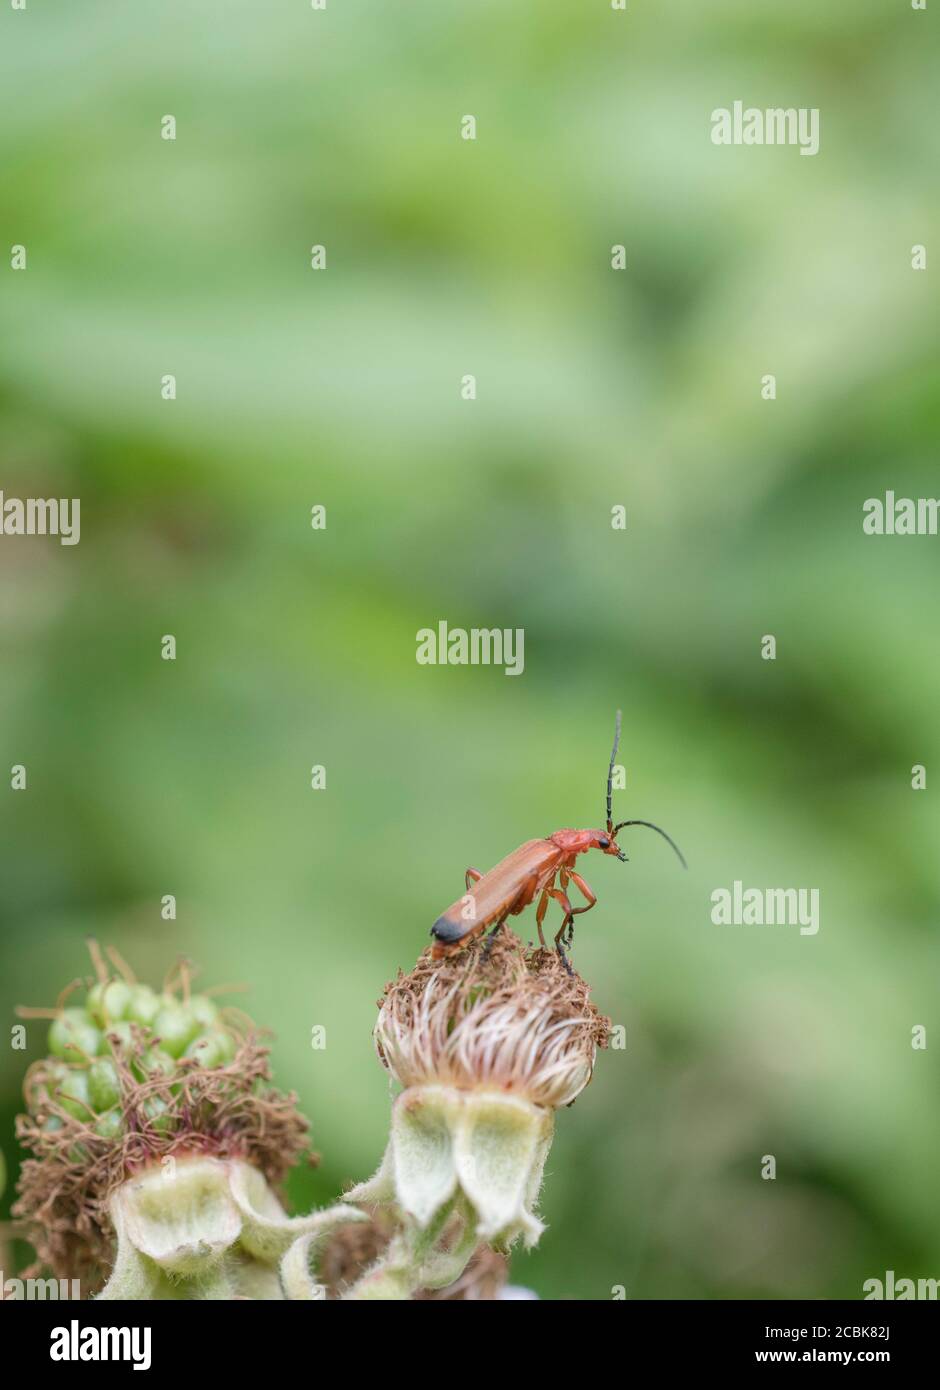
595, 388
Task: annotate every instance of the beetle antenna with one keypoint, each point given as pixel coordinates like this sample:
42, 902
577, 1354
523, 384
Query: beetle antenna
610, 774
659, 831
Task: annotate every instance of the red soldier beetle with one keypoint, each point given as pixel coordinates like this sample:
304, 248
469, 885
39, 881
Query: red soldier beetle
531, 872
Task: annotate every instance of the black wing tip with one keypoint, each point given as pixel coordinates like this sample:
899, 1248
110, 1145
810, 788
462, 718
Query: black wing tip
446, 930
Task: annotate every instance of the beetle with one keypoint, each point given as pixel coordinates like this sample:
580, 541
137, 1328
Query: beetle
531, 872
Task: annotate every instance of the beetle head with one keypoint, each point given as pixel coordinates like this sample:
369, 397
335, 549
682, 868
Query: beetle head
604, 841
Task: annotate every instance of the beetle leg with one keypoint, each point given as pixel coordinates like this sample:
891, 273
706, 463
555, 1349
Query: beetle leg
472, 876
561, 898
585, 889
569, 911
568, 927
542, 909
575, 911
488, 943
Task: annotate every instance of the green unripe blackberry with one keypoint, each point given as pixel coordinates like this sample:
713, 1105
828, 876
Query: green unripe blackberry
175, 1026
208, 1050
108, 1003
153, 1062
120, 1034
72, 1034
204, 1011
226, 1044
72, 1093
104, 1088
144, 1005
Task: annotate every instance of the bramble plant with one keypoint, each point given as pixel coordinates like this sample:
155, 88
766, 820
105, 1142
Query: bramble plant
157, 1139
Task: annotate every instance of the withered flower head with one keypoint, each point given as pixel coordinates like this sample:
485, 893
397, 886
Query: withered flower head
508, 1018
